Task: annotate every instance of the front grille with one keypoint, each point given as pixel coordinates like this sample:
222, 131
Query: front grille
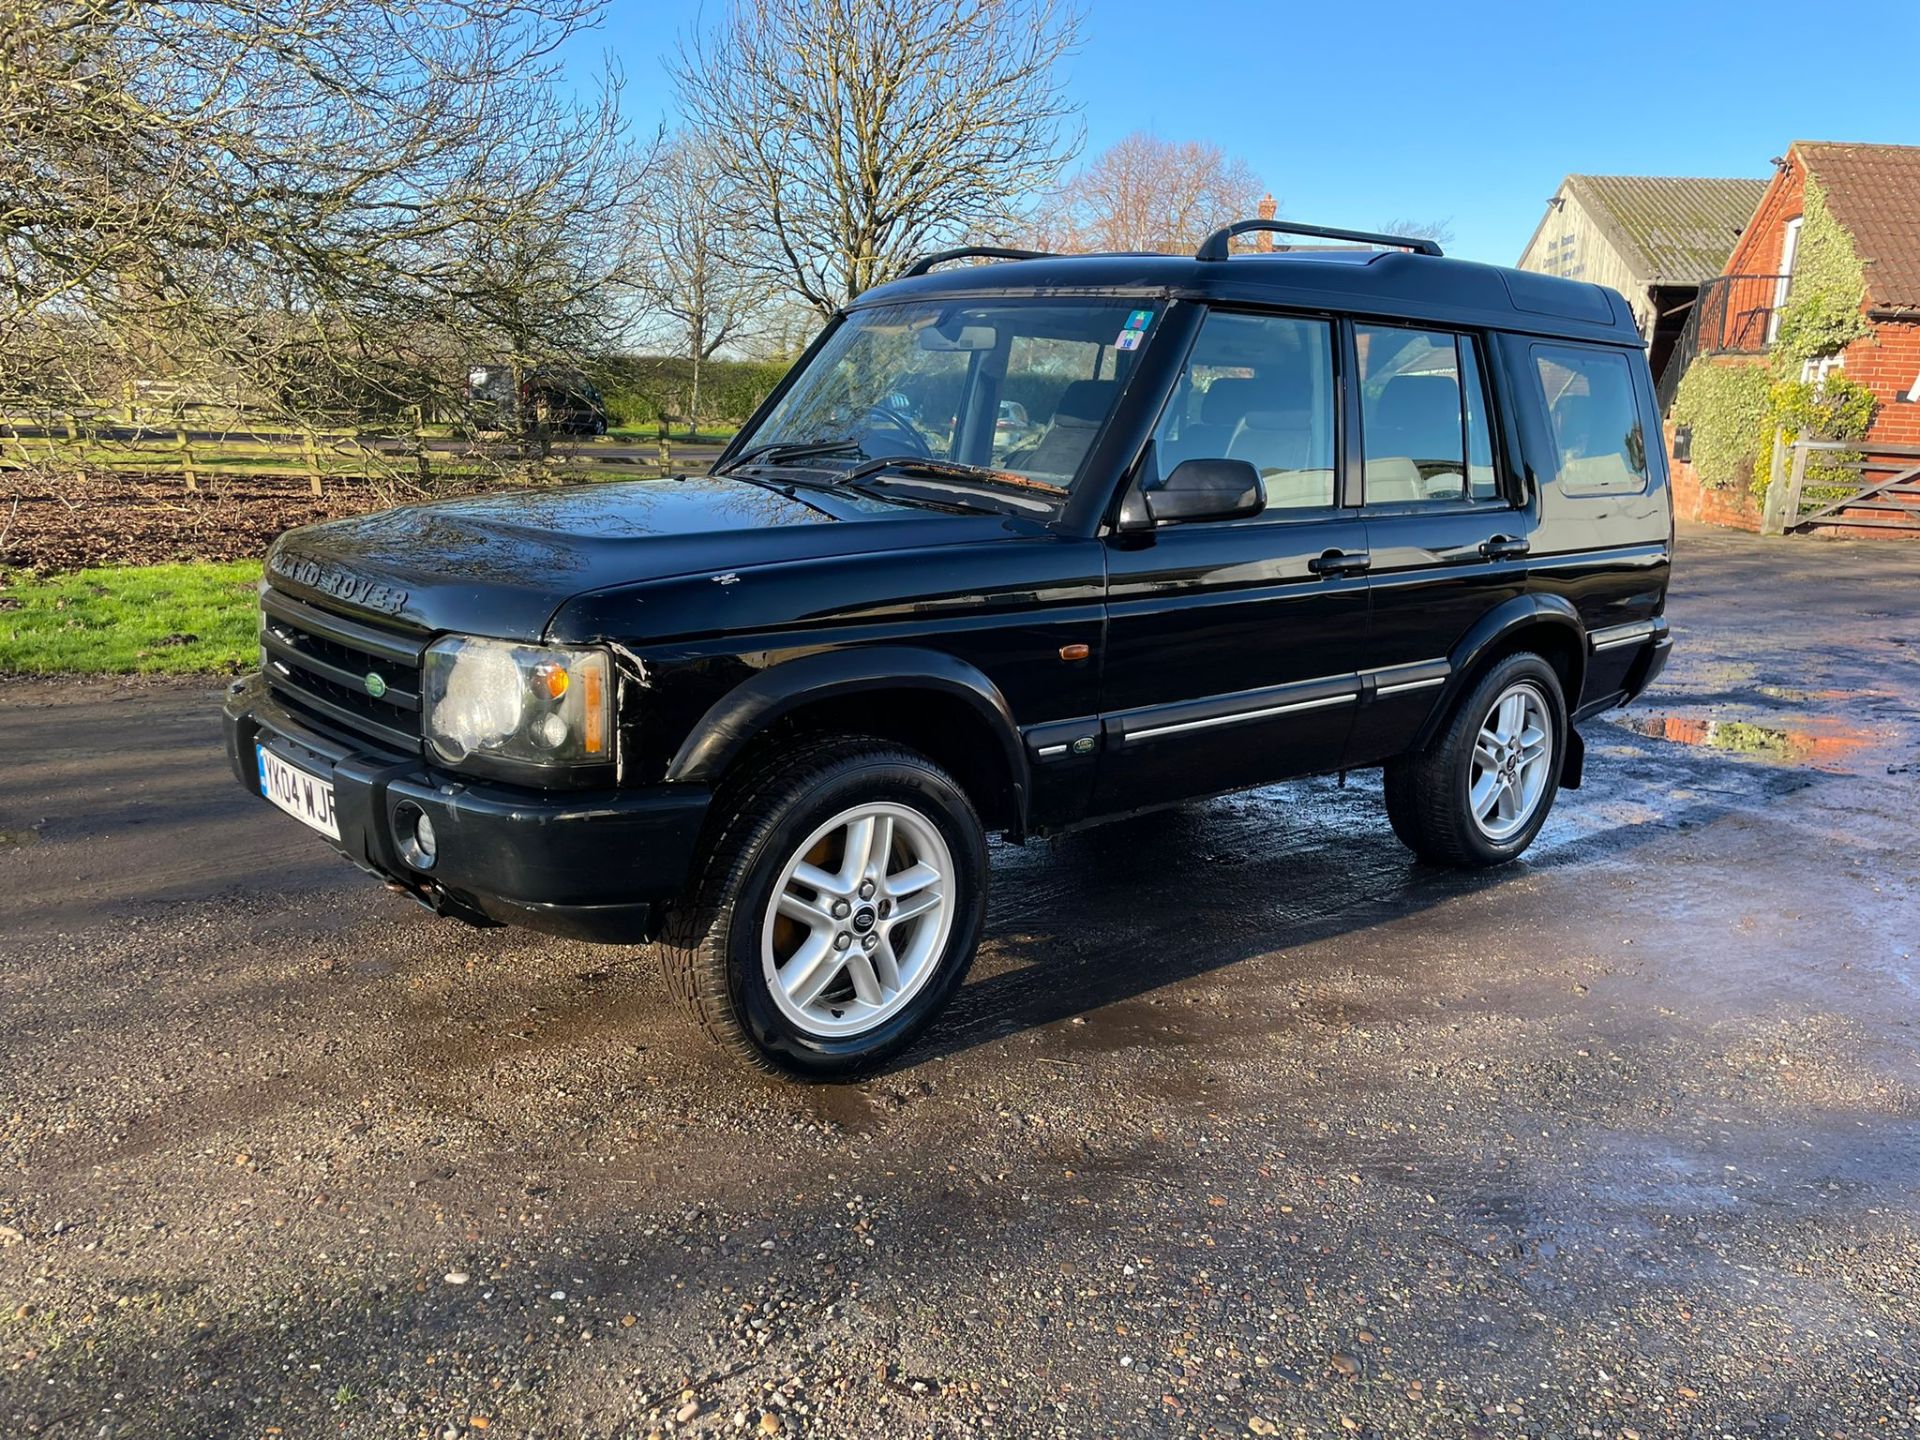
318, 665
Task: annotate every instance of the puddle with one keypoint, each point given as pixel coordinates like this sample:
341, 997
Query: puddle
1796, 696
1810, 742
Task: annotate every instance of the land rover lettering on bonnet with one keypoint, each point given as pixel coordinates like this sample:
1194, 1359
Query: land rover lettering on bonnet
353, 590
1015, 547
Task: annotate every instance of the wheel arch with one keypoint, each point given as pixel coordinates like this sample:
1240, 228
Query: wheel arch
934, 702
1546, 624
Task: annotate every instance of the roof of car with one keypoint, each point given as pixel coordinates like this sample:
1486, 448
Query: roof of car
1390, 285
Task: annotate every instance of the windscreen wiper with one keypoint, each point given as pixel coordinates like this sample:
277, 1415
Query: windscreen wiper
953, 470
780, 452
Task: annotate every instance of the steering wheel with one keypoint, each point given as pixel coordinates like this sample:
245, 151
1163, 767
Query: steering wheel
893, 423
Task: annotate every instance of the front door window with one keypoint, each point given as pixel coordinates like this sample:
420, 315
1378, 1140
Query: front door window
1258, 388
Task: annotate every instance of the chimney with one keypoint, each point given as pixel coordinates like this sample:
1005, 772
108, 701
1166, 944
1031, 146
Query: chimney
1268, 209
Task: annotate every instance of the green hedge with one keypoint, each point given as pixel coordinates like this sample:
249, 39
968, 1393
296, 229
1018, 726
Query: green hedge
647, 389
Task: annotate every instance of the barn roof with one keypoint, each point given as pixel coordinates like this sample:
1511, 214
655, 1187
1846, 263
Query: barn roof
1874, 192
1672, 230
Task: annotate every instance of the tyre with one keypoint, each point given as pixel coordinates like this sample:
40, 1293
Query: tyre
1480, 792
835, 910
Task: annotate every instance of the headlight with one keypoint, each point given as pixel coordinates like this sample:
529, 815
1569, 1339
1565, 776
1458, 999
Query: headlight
531, 704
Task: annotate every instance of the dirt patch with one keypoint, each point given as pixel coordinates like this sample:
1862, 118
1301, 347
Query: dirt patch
68, 522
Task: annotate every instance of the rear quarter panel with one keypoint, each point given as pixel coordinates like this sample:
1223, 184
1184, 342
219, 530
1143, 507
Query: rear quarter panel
1610, 556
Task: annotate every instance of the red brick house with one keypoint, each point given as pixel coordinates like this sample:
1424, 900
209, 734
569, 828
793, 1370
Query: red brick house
1873, 192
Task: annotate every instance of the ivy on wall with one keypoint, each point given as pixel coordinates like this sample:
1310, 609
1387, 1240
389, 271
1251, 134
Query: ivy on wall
1736, 406
1726, 404
1837, 409
1822, 315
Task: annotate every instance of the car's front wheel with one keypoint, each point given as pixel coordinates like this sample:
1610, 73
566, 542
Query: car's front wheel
836, 910
1481, 791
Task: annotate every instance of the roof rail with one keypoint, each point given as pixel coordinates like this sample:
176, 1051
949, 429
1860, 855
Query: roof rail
1216, 246
968, 252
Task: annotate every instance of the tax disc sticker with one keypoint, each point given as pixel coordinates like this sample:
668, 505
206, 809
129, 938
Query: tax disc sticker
1129, 340
1139, 319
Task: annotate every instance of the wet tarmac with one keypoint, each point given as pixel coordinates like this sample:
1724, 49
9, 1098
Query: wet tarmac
1244, 1124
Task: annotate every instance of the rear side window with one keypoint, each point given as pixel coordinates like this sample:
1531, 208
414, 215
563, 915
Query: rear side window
1423, 407
1595, 421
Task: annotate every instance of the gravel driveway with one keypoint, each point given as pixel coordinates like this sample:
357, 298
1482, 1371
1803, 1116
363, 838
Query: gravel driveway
1245, 1123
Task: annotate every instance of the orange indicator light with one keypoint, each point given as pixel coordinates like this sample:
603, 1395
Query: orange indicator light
596, 715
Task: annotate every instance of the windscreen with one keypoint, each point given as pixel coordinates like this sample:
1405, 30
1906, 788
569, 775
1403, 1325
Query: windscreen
1017, 386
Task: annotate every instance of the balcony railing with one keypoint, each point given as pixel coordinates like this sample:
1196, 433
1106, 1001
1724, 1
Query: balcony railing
1732, 315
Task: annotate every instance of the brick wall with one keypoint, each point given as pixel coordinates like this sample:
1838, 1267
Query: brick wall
1737, 508
1887, 363
1733, 507
1762, 242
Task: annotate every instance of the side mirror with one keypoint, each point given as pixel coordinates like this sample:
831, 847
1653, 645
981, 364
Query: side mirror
1204, 490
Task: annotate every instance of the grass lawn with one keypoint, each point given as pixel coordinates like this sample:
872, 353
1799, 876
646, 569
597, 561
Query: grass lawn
134, 619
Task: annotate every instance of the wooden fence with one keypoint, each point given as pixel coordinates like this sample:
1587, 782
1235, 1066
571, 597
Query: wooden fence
205, 456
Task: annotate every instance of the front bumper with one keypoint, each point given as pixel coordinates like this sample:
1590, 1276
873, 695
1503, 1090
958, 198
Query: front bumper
590, 865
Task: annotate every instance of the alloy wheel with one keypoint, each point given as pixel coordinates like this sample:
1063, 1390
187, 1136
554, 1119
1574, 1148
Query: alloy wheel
858, 920
1512, 762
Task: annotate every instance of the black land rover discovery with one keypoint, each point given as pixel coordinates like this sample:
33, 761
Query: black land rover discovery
1263, 515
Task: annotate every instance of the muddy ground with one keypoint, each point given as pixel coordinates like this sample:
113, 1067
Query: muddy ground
1245, 1124
51, 520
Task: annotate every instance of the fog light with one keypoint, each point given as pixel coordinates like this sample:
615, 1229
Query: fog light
414, 837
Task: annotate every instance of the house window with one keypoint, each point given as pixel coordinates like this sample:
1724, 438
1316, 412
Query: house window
1789, 248
1817, 370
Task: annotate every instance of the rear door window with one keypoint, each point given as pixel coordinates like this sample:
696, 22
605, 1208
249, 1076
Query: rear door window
1597, 431
1423, 408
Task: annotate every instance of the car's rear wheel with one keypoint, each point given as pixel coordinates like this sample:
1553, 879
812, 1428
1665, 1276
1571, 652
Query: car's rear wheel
836, 910
1481, 791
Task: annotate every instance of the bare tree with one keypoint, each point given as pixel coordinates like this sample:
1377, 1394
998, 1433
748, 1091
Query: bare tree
855, 134
1438, 231
783, 328
690, 265
1146, 193
321, 202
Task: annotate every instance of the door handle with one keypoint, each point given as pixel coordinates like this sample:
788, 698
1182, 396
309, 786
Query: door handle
1341, 562
1504, 547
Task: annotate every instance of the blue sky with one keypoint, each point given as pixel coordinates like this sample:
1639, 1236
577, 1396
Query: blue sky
1359, 113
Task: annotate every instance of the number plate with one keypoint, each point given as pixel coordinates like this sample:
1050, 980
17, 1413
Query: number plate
306, 797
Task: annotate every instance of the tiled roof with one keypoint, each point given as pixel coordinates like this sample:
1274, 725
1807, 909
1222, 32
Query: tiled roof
1874, 191
1673, 230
